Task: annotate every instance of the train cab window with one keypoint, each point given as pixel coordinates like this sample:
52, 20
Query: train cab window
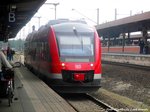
76, 48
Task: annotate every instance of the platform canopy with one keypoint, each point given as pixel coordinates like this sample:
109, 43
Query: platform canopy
14, 14
133, 23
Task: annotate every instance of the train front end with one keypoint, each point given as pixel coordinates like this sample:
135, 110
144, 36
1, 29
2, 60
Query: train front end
76, 58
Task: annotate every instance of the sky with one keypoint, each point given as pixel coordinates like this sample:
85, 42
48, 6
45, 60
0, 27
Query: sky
86, 9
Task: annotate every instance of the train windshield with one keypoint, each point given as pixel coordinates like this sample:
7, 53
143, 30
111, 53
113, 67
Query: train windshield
76, 47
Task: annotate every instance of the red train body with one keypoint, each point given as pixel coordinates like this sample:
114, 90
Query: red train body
68, 55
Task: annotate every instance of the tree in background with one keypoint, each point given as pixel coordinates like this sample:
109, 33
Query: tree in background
17, 45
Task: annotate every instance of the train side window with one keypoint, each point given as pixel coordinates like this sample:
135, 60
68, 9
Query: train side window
48, 58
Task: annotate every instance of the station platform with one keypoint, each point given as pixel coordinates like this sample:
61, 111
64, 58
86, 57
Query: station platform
137, 59
33, 95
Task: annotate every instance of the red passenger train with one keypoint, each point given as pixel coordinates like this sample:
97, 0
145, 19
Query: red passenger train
67, 54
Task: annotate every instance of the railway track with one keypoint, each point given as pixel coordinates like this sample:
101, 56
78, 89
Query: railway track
87, 103
147, 68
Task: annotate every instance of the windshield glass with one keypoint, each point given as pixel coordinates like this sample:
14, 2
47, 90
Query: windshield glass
80, 47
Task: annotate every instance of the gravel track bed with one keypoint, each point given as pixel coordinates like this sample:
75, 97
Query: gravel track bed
81, 103
126, 81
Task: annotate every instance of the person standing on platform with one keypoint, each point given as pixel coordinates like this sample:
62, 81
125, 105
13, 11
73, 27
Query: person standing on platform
146, 49
9, 54
141, 44
3, 63
2, 85
12, 54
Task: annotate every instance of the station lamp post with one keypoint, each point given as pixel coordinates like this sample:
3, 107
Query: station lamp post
55, 5
97, 16
39, 20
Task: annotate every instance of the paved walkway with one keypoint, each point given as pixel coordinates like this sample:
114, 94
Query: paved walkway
33, 95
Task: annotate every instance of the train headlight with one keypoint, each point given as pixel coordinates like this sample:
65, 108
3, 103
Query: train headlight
63, 64
91, 64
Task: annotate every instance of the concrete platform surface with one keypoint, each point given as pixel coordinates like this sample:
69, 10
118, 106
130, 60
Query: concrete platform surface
137, 59
33, 95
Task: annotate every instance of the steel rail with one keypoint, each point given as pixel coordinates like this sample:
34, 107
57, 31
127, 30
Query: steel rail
147, 68
107, 107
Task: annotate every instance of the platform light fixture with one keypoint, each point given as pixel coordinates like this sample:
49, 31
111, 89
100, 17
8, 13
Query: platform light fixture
12, 7
55, 5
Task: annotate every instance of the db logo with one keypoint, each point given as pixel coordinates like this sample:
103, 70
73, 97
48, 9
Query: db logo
78, 66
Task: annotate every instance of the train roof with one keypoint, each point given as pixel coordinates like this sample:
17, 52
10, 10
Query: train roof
63, 25
30, 35
76, 26
59, 21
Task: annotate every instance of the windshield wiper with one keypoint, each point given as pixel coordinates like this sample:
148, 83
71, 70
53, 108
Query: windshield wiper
79, 38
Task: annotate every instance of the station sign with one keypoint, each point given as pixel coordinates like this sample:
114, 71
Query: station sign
11, 17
